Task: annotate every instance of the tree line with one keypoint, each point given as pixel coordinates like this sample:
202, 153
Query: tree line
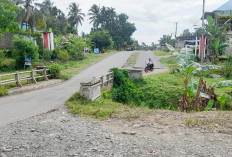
46, 15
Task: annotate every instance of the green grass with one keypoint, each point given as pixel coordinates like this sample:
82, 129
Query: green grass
99, 109
162, 53
161, 91
133, 58
169, 62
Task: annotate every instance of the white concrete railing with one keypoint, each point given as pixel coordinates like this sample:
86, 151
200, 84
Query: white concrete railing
93, 89
21, 76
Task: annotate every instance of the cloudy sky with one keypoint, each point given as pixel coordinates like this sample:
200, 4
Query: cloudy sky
152, 18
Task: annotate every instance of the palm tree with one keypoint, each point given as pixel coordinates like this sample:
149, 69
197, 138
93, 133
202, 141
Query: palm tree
75, 16
94, 13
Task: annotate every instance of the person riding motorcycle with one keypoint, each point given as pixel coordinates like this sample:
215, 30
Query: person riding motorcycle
149, 63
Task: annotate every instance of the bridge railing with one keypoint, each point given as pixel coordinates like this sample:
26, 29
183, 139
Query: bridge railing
17, 77
93, 88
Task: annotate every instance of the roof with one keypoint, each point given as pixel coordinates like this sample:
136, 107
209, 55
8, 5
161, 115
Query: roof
225, 7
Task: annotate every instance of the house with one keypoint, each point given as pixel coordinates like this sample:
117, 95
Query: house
223, 14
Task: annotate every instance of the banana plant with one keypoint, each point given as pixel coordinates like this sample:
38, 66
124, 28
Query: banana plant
227, 83
185, 59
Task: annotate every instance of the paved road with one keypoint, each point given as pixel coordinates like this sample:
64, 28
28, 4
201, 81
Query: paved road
143, 57
25, 105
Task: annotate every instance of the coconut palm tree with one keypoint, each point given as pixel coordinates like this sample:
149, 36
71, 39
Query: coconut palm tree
94, 13
75, 16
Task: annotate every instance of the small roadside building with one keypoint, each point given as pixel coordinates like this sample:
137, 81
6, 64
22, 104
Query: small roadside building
221, 15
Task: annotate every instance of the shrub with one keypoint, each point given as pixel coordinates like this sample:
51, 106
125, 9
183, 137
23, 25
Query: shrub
228, 68
25, 48
63, 55
3, 91
75, 48
225, 102
47, 54
2, 54
124, 90
55, 70
7, 64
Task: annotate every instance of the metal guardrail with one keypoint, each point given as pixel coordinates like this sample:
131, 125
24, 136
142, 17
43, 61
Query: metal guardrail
17, 77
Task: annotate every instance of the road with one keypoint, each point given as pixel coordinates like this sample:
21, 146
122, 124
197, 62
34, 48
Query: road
143, 57
19, 107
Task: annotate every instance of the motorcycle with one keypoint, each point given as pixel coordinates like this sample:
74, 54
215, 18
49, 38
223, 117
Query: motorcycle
148, 68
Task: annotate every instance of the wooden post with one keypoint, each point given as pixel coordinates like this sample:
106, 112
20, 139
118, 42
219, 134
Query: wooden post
33, 76
45, 74
17, 79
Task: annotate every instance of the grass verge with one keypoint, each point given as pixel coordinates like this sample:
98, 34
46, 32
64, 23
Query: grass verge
162, 53
100, 109
169, 62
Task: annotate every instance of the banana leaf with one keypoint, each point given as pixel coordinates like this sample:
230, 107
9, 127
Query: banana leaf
227, 83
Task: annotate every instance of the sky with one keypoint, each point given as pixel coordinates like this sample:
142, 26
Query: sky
152, 18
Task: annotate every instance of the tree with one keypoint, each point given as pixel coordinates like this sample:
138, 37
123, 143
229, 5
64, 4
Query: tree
105, 18
8, 15
94, 13
75, 15
218, 37
167, 39
102, 39
186, 32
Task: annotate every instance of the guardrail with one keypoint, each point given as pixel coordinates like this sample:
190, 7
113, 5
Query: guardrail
93, 89
26, 75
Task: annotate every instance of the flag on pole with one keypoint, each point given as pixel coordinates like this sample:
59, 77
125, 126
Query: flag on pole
202, 42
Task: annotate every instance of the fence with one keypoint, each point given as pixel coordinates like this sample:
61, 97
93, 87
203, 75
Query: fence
21, 76
93, 89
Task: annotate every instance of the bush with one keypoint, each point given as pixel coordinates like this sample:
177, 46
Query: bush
55, 70
24, 48
228, 68
124, 90
63, 55
2, 54
76, 48
7, 64
47, 54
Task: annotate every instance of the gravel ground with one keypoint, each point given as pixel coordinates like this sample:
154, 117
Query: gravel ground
58, 133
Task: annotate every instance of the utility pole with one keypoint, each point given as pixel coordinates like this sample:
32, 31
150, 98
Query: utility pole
176, 31
203, 32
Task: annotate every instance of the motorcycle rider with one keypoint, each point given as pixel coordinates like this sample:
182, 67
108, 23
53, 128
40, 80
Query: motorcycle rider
149, 63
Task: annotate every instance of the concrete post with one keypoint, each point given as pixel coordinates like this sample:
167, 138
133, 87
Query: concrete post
33, 77
17, 79
45, 74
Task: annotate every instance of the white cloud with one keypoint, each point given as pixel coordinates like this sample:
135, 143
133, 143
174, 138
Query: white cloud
152, 18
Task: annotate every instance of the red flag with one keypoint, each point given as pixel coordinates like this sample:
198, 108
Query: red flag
202, 42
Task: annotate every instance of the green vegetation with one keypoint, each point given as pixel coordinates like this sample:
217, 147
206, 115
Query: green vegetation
102, 40
7, 19
3, 91
162, 53
103, 108
228, 68
124, 90
169, 62
161, 91
24, 48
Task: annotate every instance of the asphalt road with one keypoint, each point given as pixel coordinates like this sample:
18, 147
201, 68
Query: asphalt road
19, 107
143, 57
